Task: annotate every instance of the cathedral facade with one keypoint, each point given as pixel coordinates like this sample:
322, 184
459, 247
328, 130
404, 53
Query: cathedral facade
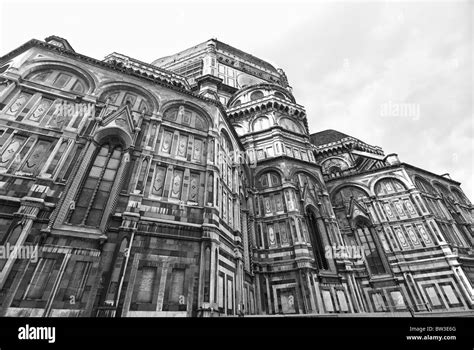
192, 186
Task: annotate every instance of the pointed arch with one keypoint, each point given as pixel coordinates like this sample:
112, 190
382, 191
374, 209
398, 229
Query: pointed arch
369, 241
92, 196
316, 239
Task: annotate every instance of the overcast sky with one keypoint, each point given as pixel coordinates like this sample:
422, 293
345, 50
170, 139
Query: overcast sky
394, 74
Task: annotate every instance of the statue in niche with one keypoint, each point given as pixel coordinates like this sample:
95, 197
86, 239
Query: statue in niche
180, 113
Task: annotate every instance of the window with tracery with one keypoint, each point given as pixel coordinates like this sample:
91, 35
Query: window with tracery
371, 253
95, 190
317, 242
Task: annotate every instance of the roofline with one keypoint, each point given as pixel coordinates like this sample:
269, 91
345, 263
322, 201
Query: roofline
243, 52
392, 166
39, 43
432, 174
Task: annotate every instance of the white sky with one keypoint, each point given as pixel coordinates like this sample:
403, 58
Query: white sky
345, 60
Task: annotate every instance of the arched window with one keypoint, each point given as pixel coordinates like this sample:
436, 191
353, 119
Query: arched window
289, 124
343, 196
256, 95
61, 79
184, 115
304, 180
94, 193
459, 195
442, 189
118, 97
279, 95
270, 179
424, 186
371, 253
261, 123
316, 241
389, 186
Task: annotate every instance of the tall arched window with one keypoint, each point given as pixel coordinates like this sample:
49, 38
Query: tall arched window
95, 190
316, 241
371, 253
